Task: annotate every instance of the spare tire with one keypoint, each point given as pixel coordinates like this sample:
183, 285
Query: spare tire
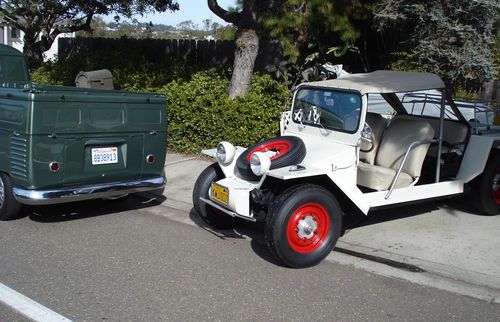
289, 150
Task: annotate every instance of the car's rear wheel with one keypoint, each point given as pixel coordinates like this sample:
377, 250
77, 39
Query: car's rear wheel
486, 189
9, 207
287, 150
303, 225
209, 214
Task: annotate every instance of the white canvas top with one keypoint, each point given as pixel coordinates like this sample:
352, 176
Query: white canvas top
383, 82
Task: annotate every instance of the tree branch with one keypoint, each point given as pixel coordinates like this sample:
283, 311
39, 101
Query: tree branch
231, 17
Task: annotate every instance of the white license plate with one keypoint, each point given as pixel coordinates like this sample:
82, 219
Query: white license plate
104, 156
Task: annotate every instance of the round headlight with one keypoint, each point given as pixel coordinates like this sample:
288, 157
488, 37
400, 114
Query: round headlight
259, 163
225, 152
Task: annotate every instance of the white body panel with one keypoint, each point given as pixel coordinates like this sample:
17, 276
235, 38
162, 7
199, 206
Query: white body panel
476, 155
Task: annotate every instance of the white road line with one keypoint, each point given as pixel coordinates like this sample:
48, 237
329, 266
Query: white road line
27, 306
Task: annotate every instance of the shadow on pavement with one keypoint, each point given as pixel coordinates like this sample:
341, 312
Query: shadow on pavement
91, 208
255, 231
390, 213
246, 230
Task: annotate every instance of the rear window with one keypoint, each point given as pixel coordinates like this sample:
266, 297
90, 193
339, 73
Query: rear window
12, 70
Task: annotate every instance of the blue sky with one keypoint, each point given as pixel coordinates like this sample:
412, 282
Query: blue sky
195, 10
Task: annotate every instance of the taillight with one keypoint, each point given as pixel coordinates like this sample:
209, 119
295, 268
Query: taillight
54, 166
150, 159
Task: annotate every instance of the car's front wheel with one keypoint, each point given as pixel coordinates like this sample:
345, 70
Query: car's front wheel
303, 225
209, 214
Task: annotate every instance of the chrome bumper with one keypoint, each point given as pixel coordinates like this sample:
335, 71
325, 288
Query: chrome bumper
105, 190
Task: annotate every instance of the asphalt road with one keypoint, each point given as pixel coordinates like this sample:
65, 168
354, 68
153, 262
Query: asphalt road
125, 261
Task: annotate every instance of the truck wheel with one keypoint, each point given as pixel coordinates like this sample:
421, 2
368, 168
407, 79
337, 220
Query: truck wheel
9, 207
303, 225
487, 191
290, 150
209, 214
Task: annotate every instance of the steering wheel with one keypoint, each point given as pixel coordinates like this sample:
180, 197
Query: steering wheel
367, 139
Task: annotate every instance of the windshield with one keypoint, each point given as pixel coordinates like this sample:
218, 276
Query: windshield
331, 109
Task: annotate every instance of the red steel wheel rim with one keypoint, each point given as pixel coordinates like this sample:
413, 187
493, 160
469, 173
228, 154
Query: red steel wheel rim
308, 228
281, 147
496, 187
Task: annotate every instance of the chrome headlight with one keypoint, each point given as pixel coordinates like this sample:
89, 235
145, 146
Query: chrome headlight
225, 152
260, 163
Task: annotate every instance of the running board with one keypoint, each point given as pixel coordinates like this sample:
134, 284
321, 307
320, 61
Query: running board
226, 211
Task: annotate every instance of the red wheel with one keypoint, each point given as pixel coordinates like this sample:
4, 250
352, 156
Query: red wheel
280, 147
303, 225
285, 150
308, 228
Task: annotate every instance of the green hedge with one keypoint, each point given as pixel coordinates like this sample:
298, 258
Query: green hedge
200, 112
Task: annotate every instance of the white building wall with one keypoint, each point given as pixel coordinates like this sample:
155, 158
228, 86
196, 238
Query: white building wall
18, 43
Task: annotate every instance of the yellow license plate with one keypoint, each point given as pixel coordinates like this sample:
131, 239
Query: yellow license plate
220, 194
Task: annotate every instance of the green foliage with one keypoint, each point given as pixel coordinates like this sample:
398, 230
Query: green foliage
201, 114
450, 38
315, 25
131, 69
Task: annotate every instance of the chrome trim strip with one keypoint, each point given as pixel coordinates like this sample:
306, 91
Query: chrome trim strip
105, 190
226, 211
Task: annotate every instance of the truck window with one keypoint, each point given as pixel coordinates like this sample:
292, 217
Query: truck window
12, 70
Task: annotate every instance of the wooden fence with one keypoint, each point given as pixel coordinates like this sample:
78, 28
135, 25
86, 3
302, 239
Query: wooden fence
199, 53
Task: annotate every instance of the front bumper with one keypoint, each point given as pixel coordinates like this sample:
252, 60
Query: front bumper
105, 190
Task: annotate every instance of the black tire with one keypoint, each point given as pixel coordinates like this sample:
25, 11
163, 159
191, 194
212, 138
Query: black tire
294, 154
293, 214
9, 207
210, 215
486, 187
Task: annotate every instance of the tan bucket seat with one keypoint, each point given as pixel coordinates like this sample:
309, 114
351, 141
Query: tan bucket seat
396, 139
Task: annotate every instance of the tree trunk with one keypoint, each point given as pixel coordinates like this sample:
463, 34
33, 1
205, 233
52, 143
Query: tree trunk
32, 51
488, 91
247, 47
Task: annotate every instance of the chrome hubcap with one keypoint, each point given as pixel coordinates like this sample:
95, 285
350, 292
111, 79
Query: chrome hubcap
307, 226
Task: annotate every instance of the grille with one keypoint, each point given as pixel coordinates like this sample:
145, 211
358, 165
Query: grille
18, 156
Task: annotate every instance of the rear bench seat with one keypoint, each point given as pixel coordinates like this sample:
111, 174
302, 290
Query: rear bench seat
455, 133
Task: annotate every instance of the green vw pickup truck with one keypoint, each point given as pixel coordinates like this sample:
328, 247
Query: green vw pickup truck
62, 144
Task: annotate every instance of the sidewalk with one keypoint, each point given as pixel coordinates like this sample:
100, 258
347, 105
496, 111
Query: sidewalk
436, 243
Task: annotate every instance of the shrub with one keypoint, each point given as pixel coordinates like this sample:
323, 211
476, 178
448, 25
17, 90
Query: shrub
201, 114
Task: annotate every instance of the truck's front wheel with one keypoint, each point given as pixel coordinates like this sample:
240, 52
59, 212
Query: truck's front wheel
209, 214
303, 225
487, 191
9, 207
